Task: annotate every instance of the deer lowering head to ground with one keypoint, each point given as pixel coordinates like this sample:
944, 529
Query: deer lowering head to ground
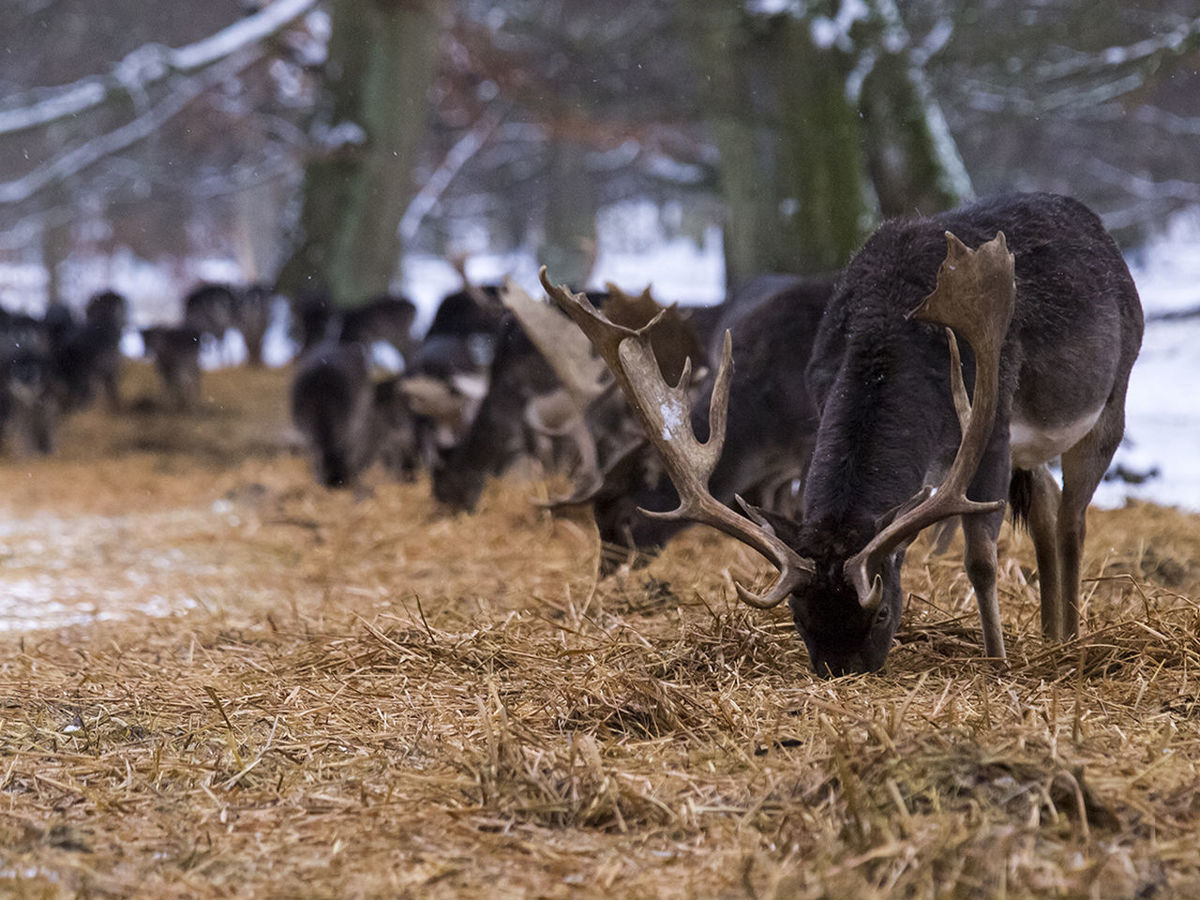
1051, 325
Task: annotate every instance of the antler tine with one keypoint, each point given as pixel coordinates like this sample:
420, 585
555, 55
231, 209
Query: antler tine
974, 296
665, 414
596, 481
962, 403
481, 297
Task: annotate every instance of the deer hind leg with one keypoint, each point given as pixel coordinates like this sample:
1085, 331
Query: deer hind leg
1043, 526
1083, 468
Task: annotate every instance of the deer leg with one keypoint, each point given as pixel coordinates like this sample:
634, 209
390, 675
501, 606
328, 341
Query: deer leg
980, 532
1083, 467
1043, 526
979, 558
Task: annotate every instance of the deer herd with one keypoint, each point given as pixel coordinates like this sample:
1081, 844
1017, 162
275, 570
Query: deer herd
823, 422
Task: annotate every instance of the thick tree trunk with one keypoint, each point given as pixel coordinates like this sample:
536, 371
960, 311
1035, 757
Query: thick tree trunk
914, 164
380, 65
808, 158
568, 247
792, 172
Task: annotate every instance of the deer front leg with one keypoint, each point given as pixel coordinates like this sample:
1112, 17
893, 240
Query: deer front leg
979, 558
980, 532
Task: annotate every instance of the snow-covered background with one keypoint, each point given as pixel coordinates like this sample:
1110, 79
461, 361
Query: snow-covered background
1163, 409
1162, 425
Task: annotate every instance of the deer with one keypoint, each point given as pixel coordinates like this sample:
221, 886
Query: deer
770, 433
772, 422
176, 352
1052, 324
90, 353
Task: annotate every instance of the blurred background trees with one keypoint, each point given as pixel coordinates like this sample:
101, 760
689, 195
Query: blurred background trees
321, 143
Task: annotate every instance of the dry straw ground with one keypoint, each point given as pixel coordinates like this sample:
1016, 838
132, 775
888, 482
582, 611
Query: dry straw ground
358, 697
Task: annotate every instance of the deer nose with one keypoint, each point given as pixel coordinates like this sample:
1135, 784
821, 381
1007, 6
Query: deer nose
836, 666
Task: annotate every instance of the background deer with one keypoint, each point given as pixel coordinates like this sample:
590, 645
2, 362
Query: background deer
1053, 328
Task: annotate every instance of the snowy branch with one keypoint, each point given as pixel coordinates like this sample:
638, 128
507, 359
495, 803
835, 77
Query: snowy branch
79, 158
1144, 188
146, 66
1146, 55
466, 147
1082, 82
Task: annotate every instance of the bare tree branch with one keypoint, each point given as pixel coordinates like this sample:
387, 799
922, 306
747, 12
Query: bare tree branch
466, 147
75, 160
146, 66
1145, 55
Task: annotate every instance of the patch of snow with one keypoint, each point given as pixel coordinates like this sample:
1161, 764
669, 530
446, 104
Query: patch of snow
673, 419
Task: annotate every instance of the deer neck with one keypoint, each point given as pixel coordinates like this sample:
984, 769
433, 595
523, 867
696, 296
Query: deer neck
883, 432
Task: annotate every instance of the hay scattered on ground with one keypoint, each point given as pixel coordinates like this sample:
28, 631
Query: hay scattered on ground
357, 696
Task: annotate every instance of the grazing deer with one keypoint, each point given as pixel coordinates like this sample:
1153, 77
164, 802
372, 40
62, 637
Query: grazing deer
349, 421
497, 433
90, 353
176, 352
331, 400
773, 419
1053, 328
210, 309
383, 318
252, 317
772, 424
29, 400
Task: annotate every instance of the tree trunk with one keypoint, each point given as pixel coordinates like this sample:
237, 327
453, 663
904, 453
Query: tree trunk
380, 65
792, 172
913, 161
809, 159
568, 247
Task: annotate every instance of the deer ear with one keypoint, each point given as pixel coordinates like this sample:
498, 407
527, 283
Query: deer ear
955, 249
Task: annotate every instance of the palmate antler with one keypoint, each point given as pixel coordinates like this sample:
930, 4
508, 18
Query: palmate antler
974, 296
665, 414
584, 376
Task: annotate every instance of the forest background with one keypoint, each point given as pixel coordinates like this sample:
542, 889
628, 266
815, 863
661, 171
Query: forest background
320, 145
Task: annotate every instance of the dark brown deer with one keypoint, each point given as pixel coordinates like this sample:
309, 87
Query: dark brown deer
89, 354
252, 317
331, 402
496, 436
176, 352
772, 419
1053, 328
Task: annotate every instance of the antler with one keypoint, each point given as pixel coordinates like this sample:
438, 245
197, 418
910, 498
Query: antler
473, 290
568, 352
974, 295
673, 337
665, 413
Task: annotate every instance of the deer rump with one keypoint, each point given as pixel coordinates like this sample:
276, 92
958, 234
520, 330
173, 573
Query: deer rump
1054, 325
